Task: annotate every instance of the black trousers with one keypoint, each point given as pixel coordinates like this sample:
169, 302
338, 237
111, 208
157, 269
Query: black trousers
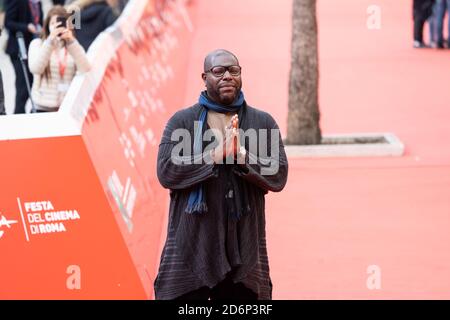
21, 85
419, 22
422, 10
225, 290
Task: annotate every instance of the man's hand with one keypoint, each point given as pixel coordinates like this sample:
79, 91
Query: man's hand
231, 145
235, 136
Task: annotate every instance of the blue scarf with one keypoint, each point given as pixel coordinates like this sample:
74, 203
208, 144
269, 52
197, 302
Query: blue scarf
211, 105
197, 200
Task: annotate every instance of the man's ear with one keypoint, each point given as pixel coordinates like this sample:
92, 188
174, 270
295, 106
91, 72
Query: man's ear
204, 77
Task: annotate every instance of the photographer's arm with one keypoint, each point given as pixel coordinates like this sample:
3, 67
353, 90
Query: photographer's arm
39, 55
79, 56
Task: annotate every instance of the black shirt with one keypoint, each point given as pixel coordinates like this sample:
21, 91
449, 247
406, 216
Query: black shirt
18, 15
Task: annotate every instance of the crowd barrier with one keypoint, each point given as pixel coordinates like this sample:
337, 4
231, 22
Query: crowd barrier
82, 214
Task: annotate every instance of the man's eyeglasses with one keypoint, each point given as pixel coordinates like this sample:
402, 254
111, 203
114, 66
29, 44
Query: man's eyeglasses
219, 71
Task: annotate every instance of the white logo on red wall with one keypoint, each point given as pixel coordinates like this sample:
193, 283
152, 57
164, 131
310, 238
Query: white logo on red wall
39, 218
5, 224
43, 218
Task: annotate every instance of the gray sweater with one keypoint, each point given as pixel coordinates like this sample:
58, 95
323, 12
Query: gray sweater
202, 249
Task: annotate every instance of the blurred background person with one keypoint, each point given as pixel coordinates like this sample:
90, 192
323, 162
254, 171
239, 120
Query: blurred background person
422, 10
117, 5
2, 97
432, 27
54, 60
23, 16
95, 17
441, 7
2, 12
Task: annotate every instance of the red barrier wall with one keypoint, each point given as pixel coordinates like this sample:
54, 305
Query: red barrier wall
81, 216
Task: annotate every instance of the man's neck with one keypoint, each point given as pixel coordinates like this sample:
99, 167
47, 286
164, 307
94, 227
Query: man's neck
216, 101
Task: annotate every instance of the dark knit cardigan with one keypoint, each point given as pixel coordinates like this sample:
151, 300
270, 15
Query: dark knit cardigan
202, 249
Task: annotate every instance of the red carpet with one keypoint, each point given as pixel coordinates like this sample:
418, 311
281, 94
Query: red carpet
338, 216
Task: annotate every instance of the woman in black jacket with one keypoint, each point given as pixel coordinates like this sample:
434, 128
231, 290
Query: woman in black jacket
95, 16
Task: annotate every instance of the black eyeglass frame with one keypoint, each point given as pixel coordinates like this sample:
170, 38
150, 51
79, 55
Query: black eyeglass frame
226, 69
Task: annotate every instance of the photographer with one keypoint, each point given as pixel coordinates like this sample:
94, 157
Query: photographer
54, 60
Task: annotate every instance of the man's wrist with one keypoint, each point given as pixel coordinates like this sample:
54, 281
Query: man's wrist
241, 156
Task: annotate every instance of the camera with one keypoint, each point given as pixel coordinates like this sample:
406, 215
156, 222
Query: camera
62, 21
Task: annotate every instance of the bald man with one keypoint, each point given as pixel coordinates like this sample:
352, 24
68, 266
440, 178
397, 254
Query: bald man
216, 240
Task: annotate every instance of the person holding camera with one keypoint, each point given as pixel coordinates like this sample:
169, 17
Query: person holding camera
54, 60
25, 17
